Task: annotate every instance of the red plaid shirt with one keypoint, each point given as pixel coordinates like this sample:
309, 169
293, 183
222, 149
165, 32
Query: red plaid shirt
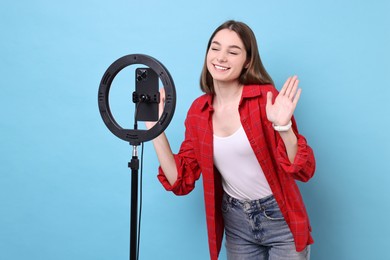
196, 157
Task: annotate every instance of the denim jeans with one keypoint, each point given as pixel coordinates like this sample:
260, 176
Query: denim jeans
257, 230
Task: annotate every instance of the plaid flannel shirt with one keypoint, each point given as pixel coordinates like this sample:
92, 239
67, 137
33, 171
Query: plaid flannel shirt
195, 157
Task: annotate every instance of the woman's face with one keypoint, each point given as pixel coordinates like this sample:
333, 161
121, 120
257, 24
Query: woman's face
226, 57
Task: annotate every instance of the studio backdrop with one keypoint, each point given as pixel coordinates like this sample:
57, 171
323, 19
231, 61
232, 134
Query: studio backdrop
65, 183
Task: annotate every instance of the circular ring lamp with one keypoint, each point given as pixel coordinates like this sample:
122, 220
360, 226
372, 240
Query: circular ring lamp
137, 136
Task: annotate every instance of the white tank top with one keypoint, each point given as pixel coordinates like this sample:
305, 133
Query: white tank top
242, 176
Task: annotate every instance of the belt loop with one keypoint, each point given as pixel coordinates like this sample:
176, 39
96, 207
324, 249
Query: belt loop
230, 199
258, 204
247, 205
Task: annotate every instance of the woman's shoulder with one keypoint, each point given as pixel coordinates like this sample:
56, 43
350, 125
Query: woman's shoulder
197, 114
201, 102
262, 87
257, 90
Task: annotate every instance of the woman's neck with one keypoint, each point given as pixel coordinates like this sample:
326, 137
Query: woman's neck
226, 94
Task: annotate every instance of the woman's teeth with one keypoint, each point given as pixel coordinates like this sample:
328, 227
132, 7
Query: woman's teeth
220, 68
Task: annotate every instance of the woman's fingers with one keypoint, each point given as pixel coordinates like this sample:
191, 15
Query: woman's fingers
296, 97
285, 86
290, 87
294, 88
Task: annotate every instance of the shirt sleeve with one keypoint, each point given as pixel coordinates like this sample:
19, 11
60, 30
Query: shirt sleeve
188, 168
303, 167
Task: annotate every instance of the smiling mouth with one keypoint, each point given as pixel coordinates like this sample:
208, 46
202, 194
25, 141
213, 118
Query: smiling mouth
220, 67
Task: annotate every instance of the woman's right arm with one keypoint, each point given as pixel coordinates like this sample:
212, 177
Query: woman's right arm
165, 157
177, 172
163, 149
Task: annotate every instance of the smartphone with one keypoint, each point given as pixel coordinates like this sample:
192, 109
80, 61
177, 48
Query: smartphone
147, 95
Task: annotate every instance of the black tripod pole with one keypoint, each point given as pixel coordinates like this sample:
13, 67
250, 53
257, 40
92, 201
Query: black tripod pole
134, 165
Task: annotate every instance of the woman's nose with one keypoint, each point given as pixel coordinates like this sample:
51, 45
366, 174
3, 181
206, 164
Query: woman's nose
221, 58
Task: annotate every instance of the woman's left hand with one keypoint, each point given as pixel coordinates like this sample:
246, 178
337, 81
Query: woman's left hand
280, 112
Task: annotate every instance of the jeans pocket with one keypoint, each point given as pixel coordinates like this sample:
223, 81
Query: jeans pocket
272, 212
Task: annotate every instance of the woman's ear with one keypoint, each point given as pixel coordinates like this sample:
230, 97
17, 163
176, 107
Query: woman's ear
246, 66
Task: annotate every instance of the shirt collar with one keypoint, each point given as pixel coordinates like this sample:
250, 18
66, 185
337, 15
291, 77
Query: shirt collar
249, 91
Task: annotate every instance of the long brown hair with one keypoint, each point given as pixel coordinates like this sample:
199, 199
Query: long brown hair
255, 73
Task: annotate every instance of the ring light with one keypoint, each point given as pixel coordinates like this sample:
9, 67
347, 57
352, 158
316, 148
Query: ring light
136, 136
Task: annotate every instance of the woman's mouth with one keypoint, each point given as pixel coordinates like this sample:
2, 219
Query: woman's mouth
221, 68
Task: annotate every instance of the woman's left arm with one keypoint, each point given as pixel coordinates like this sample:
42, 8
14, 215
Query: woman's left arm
280, 113
300, 161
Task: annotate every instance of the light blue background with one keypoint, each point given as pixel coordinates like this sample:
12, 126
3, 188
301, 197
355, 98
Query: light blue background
64, 181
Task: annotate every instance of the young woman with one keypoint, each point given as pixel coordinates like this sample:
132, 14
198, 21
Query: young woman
242, 136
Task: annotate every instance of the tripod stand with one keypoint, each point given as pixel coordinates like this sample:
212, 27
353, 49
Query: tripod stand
146, 99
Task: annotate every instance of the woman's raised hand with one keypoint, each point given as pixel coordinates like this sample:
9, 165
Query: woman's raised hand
281, 111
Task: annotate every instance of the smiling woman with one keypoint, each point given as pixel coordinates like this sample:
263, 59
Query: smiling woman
244, 44
255, 156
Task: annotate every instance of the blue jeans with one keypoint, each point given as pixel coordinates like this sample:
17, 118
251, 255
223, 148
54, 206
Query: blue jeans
257, 230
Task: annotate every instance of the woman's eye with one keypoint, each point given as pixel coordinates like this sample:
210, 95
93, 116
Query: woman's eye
233, 53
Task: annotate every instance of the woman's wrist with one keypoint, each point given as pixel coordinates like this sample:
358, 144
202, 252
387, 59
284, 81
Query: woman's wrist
290, 141
282, 128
